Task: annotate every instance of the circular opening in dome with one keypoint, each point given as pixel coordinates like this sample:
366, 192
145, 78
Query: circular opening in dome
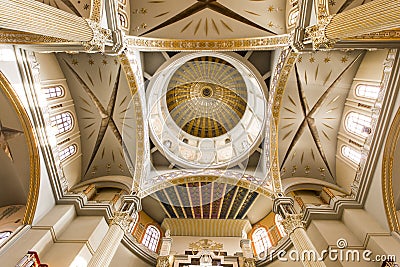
206, 91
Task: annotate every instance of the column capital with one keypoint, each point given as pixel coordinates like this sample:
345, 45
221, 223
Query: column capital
122, 219
292, 222
249, 262
317, 33
99, 39
163, 261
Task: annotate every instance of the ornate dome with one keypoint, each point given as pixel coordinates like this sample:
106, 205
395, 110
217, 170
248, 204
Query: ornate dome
206, 97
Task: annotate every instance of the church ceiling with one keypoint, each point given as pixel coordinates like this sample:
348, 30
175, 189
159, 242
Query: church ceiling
311, 113
77, 7
207, 19
105, 115
206, 200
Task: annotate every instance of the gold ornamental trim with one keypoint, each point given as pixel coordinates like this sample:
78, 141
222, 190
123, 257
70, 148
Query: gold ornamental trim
286, 61
95, 10
34, 164
16, 37
387, 173
159, 44
390, 35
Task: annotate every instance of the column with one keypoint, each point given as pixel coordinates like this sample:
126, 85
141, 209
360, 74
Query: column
34, 17
295, 229
248, 257
375, 16
120, 223
163, 259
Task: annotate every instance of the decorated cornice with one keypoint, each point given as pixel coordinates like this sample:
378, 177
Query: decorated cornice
99, 38
292, 222
156, 44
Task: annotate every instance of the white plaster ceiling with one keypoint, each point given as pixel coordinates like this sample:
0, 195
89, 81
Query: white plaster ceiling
14, 157
311, 113
207, 19
102, 123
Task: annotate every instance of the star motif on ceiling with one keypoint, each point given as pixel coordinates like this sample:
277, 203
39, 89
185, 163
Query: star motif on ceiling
344, 59
91, 62
312, 59
309, 117
327, 60
300, 59
107, 120
7, 134
207, 4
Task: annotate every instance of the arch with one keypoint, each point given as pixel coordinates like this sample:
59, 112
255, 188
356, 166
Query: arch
34, 162
62, 122
151, 237
358, 124
261, 240
388, 160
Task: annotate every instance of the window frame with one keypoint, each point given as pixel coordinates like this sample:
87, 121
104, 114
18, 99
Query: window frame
279, 226
62, 89
64, 150
262, 242
355, 125
60, 125
151, 237
4, 235
355, 160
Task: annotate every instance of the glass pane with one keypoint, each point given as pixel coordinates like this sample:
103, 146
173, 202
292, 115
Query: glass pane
367, 91
352, 154
358, 124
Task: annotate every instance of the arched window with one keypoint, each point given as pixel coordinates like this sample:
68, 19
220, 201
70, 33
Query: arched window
4, 235
151, 237
62, 122
53, 92
67, 152
261, 240
279, 226
358, 124
351, 154
368, 91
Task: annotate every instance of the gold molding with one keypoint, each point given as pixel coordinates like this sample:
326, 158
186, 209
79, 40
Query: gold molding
390, 35
95, 10
34, 164
387, 173
159, 44
287, 59
16, 37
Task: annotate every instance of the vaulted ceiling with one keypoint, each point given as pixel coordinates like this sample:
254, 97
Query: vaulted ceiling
207, 19
105, 115
311, 113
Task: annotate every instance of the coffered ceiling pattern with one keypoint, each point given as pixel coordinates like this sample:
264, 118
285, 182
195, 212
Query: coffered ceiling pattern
207, 19
105, 114
311, 113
